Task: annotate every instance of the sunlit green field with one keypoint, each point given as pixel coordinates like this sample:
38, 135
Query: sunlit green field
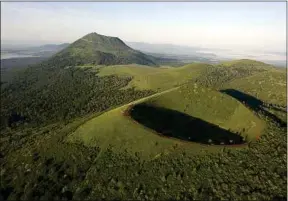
158, 79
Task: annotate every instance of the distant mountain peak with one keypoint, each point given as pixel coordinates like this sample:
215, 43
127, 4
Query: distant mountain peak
97, 49
95, 35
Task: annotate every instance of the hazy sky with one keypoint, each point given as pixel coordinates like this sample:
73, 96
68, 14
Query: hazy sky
243, 25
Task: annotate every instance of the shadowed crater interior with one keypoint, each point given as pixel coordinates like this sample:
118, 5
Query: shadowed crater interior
171, 123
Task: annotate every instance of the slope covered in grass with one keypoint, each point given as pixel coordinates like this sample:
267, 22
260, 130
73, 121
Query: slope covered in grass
210, 105
246, 63
157, 79
269, 86
119, 130
264, 92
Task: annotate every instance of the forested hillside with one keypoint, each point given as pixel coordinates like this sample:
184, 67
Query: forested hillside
42, 96
97, 49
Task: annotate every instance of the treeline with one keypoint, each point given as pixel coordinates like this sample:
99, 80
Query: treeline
43, 95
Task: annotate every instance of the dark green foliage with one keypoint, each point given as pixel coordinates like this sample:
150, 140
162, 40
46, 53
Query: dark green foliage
41, 95
51, 169
15, 63
10, 67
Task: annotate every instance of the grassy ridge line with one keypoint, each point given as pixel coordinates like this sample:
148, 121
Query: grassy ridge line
123, 134
120, 107
148, 138
266, 89
157, 79
126, 104
269, 86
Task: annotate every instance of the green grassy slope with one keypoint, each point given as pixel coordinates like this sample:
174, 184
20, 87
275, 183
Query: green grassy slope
121, 132
269, 86
165, 77
246, 63
157, 79
114, 129
210, 105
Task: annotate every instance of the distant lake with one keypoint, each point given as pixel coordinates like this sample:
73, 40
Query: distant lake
14, 55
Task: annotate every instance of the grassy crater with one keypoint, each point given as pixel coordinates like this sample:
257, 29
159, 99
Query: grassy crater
175, 124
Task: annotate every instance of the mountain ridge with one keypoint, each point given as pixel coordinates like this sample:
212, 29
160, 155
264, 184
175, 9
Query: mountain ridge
98, 49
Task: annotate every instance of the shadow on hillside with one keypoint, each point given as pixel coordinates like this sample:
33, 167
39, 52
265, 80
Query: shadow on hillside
255, 104
171, 123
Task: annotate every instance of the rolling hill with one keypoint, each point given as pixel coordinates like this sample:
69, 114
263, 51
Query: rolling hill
156, 79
